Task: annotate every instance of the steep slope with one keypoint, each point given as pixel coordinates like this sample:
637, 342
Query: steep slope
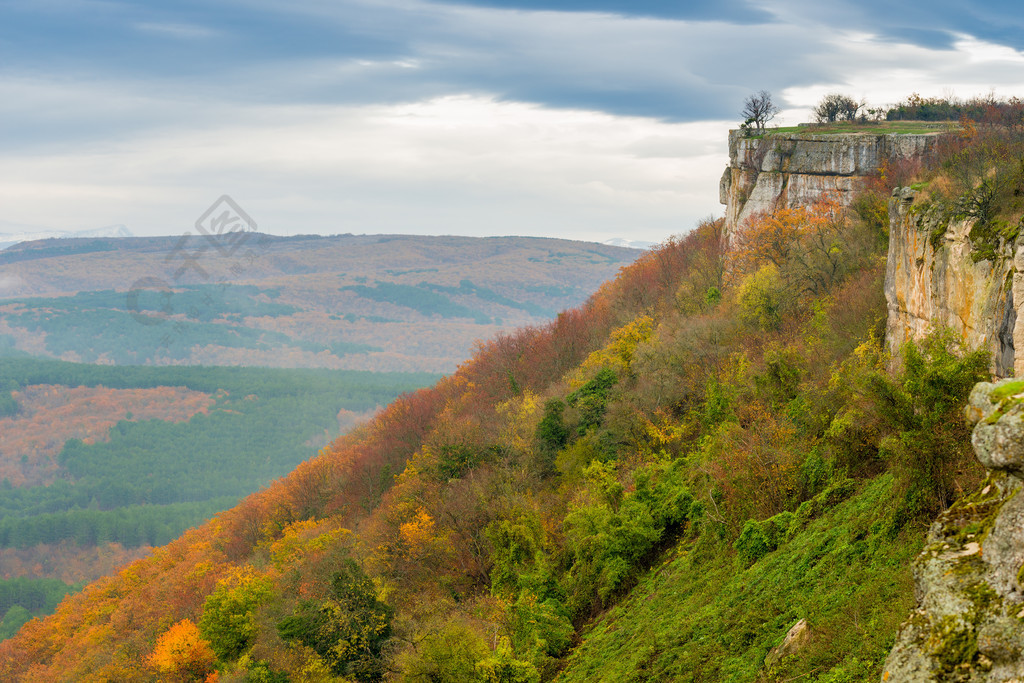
542, 479
661, 484
109, 629
699, 615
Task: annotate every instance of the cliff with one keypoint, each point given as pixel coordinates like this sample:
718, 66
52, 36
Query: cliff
968, 622
941, 270
937, 274
784, 170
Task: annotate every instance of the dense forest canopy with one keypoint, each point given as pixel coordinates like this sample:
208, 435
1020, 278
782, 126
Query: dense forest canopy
142, 482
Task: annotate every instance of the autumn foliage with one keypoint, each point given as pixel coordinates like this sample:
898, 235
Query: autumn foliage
181, 654
50, 415
473, 529
812, 248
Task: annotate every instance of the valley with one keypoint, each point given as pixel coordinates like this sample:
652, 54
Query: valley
170, 404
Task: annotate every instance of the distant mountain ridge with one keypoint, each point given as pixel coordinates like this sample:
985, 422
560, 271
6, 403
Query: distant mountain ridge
628, 243
377, 302
12, 234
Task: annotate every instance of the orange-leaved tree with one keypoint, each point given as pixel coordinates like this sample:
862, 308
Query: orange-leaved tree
181, 654
813, 248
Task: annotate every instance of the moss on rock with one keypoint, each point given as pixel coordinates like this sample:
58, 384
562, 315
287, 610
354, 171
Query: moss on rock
969, 625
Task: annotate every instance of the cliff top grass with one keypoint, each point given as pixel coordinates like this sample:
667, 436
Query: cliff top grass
866, 128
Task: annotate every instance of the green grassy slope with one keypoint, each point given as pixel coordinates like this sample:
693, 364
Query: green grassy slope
701, 615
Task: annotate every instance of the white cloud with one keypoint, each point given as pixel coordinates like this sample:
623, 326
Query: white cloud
985, 52
434, 133
459, 164
883, 72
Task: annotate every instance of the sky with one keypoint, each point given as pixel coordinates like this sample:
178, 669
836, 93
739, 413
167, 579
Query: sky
584, 119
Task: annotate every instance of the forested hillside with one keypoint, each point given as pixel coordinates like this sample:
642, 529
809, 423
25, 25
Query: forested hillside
655, 486
99, 457
353, 302
98, 464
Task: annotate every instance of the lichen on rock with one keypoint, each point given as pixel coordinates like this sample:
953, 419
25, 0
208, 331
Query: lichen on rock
998, 438
969, 622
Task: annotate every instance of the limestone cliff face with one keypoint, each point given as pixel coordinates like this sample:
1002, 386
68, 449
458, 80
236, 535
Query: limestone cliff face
795, 169
969, 623
935, 274
933, 278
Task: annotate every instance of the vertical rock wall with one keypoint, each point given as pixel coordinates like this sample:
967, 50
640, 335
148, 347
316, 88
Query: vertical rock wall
933, 279
795, 169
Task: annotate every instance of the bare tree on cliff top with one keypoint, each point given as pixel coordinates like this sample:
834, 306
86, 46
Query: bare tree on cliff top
758, 109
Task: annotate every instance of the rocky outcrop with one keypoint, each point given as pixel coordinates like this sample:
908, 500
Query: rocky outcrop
797, 637
934, 277
785, 170
968, 626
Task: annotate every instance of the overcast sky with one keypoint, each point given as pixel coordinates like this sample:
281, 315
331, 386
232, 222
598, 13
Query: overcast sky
581, 119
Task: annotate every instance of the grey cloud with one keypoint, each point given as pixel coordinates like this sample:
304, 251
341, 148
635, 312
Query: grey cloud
928, 24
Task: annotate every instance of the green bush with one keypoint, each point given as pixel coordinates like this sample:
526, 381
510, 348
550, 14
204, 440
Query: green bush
662, 489
454, 460
763, 299
540, 628
606, 546
450, 654
551, 430
513, 543
503, 667
592, 398
348, 630
780, 379
229, 620
929, 445
757, 539
752, 543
